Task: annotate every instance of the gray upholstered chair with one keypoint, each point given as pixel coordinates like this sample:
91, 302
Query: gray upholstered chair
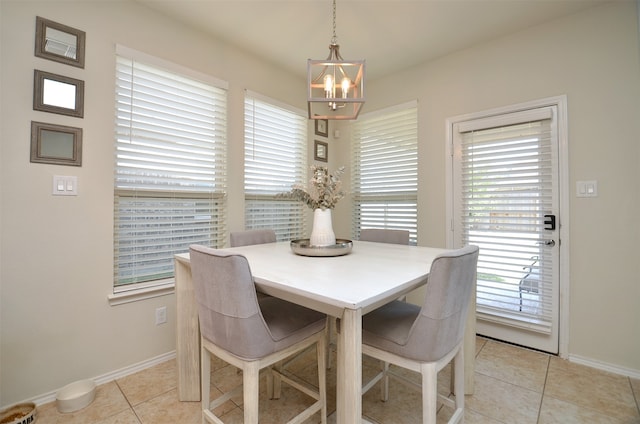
248, 237
380, 235
251, 334
383, 235
377, 235
426, 338
263, 236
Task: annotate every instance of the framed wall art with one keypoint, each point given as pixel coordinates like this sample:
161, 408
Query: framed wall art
59, 42
320, 151
56, 144
58, 94
322, 127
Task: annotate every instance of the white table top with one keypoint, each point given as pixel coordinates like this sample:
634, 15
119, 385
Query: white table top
371, 275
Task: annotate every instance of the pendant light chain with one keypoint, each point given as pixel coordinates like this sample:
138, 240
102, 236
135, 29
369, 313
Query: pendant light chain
334, 39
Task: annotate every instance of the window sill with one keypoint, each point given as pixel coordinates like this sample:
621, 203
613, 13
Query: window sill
141, 293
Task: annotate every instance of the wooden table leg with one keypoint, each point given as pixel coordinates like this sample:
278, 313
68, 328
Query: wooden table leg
187, 335
349, 384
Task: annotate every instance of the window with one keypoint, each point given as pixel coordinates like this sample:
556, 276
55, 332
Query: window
170, 177
275, 146
385, 170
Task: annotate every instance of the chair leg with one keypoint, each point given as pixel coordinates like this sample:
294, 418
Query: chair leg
331, 325
276, 382
270, 383
205, 381
322, 359
250, 381
458, 365
429, 393
384, 387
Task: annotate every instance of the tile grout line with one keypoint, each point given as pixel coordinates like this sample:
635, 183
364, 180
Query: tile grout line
544, 388
635, 396
124, 395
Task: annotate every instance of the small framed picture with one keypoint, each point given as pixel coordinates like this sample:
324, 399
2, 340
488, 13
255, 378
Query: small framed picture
58, 94
56, 144
59, 42
320, 151
322, 127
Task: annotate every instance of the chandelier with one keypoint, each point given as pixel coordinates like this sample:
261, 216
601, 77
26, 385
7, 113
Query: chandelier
336, 86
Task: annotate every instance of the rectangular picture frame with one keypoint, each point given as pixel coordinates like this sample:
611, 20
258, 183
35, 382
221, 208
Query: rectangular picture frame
49, 88
60, 43
56, 144
320, 151
322, 127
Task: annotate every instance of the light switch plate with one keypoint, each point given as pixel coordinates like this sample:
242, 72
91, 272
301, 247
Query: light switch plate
587, 188
65, 185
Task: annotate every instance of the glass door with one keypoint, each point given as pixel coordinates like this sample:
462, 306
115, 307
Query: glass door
505, 201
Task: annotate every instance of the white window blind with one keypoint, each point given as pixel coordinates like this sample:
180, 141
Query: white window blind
170, 176
275, 159
506, 189
385, 171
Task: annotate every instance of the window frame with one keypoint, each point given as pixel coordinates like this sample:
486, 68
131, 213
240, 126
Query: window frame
208, 189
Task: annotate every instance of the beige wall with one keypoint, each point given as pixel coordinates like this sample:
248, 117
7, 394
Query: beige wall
593, 58
56, 325
56, 253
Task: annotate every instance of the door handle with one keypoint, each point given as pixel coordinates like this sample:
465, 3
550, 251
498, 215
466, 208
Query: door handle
549, 243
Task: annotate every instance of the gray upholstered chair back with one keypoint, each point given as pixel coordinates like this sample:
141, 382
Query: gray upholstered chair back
429, 332
228, 308
249, 237
380, 235
448, 291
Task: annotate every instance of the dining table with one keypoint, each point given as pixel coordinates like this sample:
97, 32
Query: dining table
347, 287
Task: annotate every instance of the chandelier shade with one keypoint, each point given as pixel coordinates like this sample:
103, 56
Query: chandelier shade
335, 86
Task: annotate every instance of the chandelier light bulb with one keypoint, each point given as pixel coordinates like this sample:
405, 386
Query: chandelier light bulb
329, 86
346, 84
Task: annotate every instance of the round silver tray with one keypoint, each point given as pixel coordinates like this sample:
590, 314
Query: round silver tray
305, 248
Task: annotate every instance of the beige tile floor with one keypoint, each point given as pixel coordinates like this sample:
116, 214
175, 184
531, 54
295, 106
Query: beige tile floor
513, 385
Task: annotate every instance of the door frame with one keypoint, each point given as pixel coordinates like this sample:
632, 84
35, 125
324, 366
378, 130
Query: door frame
564, 196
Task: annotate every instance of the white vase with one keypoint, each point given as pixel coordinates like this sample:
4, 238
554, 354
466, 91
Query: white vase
322, 233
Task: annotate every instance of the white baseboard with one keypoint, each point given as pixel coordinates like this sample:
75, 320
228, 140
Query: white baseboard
132, 369
603, 366
110, 376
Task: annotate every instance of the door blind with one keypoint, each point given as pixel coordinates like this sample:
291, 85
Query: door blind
170, 172
275, 160
506, 188
385, 171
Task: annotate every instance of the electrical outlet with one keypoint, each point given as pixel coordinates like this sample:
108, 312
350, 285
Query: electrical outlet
161, 315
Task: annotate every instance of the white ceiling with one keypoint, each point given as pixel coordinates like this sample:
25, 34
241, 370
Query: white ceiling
390, 34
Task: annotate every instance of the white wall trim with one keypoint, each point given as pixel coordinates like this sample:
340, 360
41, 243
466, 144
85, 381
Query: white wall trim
604, 366
110, 376
141, 292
